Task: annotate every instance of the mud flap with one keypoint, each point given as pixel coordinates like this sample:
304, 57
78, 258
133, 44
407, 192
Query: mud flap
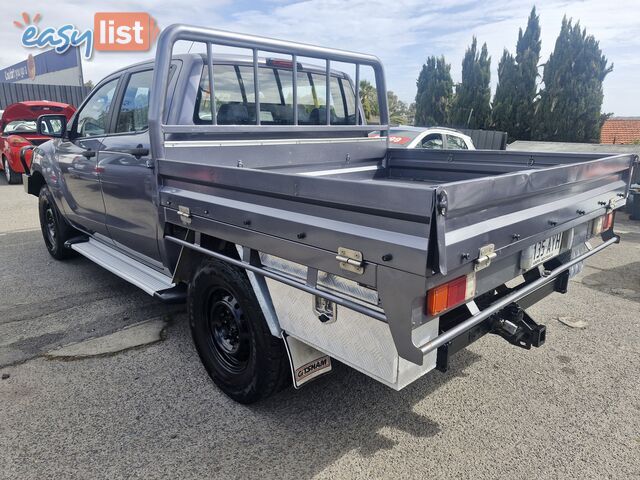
306, 362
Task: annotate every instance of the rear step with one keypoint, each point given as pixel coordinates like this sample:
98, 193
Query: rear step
151, 281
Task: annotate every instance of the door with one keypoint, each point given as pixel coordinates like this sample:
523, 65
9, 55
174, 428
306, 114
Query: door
127, 173
77, 159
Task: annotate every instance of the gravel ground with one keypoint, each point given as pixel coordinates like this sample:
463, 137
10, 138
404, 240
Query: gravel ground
570, 409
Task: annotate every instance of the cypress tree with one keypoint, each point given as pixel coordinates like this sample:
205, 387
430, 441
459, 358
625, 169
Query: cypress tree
570, 104
506, 97
513, 104
435, 91
527, 59
472, 102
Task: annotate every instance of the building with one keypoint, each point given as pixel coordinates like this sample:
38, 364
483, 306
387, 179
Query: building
44, 76
621, 130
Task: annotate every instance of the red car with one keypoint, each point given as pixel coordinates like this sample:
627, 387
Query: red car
18, 130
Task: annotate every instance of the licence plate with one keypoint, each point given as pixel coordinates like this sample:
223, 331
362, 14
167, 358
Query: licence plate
541, 252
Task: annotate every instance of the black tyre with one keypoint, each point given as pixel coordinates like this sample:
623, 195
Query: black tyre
11, 176
55, 230
231, 335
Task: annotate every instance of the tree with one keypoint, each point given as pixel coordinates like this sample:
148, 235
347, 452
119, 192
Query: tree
411, 114
570, 104
369, 100
513, 104
506, 97
472, 102
397, 109
435, 93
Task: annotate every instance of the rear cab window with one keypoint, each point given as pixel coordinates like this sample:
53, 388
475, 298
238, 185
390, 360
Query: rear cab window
235, 97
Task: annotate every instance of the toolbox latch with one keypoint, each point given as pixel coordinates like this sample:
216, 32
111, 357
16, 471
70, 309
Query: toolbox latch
486, 254
350, 260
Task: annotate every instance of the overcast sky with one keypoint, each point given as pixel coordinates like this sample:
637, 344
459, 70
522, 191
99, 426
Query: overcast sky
402, 32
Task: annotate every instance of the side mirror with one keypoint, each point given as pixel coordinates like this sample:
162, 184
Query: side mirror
52, 125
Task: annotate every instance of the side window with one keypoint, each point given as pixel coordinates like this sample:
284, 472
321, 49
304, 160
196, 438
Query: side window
432, 141
92, 119
134, 109
456, 143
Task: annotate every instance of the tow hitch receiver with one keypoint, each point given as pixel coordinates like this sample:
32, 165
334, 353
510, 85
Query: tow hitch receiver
512, 323
518, 328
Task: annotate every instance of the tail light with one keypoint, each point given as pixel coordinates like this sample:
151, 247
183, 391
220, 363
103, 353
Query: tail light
16, 141
602, 224
450, 294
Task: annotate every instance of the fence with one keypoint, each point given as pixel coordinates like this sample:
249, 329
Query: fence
487, 139
19, 92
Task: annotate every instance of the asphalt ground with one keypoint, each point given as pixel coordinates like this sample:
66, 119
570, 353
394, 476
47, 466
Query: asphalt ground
570, 409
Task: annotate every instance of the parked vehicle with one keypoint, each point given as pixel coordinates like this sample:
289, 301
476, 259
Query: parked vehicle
430, 138
253, 184
18, 128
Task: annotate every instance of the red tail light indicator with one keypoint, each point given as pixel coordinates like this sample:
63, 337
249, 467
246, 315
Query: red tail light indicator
450, 294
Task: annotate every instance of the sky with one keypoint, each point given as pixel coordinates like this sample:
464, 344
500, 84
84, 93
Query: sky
402, 33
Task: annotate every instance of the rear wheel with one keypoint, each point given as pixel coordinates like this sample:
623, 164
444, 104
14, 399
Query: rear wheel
11, 176
231, 335
55, 230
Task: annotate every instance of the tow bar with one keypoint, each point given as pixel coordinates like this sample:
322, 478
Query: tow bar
511, 323
518, 328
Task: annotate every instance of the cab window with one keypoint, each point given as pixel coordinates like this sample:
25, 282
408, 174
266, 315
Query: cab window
235, 97
92, 120
133, 115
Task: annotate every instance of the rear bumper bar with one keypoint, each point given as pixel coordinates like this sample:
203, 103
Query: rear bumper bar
480, 316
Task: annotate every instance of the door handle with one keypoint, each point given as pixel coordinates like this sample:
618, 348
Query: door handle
137, 152
89, 153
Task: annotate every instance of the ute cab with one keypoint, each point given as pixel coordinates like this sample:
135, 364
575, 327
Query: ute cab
18, 126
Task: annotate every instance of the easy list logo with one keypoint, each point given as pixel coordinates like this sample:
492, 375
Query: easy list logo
113, 31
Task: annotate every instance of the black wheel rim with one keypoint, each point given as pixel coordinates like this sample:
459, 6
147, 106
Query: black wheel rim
228, 334
49, 224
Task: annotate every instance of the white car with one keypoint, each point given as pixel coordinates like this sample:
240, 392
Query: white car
432, 138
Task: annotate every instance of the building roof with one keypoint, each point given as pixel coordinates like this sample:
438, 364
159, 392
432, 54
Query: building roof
620, 130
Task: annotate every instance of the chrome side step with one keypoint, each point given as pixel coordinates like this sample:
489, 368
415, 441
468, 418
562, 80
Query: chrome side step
143, 277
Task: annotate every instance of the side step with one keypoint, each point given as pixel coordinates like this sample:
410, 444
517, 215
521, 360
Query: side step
143, 277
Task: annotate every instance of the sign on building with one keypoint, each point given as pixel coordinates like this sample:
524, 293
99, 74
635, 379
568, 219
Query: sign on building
48, 68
